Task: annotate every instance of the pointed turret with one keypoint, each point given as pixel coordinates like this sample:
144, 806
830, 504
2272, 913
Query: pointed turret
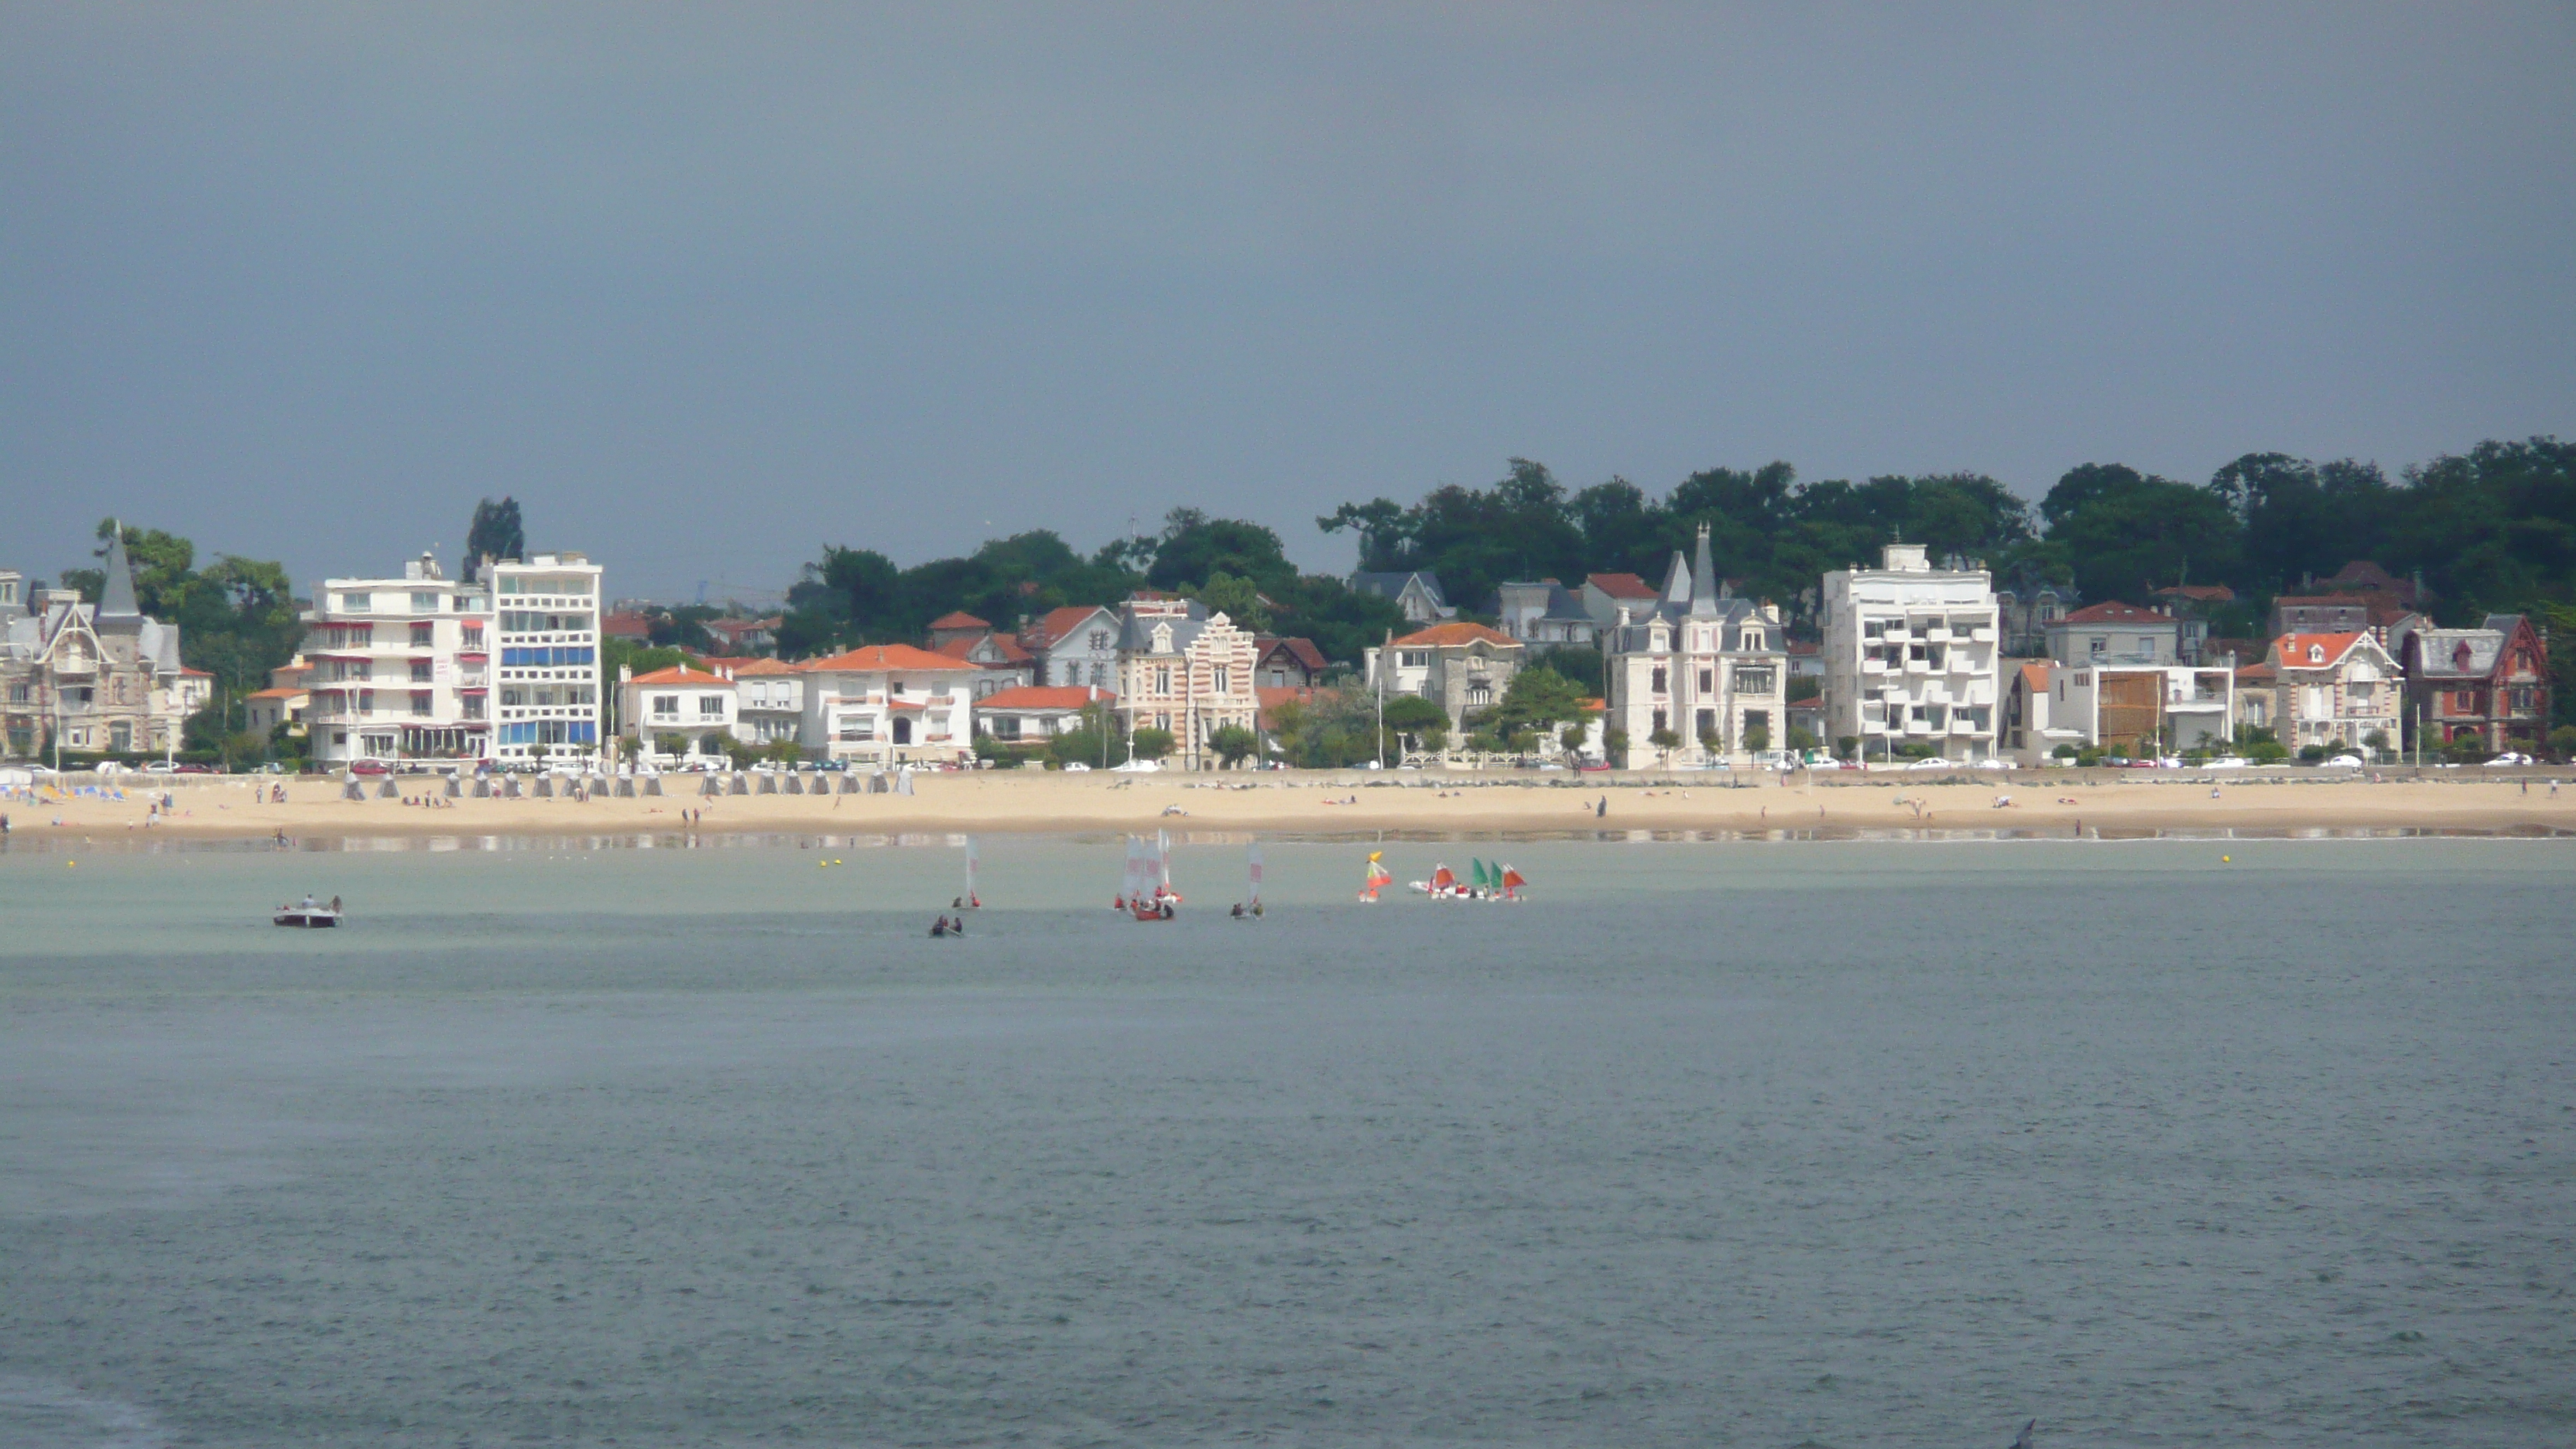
1677, 586
1703, 596
116, 587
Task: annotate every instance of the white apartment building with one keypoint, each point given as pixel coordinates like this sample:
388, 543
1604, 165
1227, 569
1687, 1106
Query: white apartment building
1910, 656
545, 623
889, 703
399, 668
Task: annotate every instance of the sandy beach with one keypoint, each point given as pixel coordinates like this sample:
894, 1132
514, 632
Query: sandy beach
1362, 803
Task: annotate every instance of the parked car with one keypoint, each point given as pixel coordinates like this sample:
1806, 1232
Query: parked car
2509, 759
2344, 762
194, 767
369, 767
2227, 762
1934, 763
1076, 765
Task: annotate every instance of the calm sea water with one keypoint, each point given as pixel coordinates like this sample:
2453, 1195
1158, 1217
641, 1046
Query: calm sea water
1834, 1144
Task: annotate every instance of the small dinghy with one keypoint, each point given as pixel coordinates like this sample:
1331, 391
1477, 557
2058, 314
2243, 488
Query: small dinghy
308, 914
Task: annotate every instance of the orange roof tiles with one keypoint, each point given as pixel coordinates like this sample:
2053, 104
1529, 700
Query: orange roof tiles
960, 619
681, 674
763, 666
2293, 648
876, 657
1456, 632
1621, 586
1054, 624
1045, 696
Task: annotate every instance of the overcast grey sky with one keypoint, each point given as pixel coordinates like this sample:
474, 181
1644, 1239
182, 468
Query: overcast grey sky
710, 287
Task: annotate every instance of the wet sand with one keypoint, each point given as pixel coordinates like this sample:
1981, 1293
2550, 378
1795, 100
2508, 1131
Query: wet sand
1353, 803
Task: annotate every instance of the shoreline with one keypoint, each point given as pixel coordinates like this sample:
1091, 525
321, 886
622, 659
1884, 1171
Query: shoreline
1359, 806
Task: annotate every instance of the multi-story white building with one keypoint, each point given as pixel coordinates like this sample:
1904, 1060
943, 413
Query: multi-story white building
398, 668
545, 631
888, 703
1699, 665
1910, 656
2136, 708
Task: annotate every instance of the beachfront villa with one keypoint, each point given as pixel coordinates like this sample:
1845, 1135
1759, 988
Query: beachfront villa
1076, 645
1036, 712
693, 709
769, 700
1910, 656
1417, 593
90, 677
2118, 632
1707, 670
1186, 670
2489, 685
2341, 691
888, 704
1003, 661
1461, 667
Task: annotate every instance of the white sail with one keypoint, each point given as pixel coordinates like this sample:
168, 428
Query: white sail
970, 870
1255, 863
1163, 860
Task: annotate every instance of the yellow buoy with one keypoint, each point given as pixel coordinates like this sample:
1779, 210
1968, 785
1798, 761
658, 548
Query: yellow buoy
2227, 860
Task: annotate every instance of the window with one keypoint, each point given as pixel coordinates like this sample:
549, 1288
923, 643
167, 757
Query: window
1278, 679
665, 706
420, 671
1163, 722
2098, 644
2316, 654
356, 603
420, 699
1099, 640
1100, 674
1162, 682
423, 635
1707, 723
1708, 681
18, 693
1221, 679
1660, 725
711, 706
1755, 679
1415, 658
894, 686
473, 704
1006, 727
473, 637
1659, 684
1480, 693
424, 603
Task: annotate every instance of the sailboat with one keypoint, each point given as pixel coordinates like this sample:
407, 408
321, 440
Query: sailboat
1511, 882
1442, 886
1252, 867
1479, 882
1374, 875
1153, 869
970, 900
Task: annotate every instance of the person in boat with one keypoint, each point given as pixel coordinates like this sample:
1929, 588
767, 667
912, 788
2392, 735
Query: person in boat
939, 927
1167, 908
1239, 912
335, 905
957, 904
957, 925
308, 903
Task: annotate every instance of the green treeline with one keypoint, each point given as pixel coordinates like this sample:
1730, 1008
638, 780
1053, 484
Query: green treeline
2491, 529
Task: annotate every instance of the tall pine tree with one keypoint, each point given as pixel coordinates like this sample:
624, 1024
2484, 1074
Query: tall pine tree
496, 531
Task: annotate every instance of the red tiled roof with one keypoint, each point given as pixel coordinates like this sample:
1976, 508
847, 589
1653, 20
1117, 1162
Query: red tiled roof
2257, 674
1012, 654
194, 673
2034, 677
1800, 648
2291, 650
958, 620
875, 657
1046, 696
626, 626
1270, 697
1457, 632
2199, 593
2114, 612
763, 666
1055, 624
275, 693
1621, 586
681, 674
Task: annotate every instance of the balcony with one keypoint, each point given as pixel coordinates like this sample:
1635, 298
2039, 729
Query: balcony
1873, 666
1937, 634
1918, 666
1982, 634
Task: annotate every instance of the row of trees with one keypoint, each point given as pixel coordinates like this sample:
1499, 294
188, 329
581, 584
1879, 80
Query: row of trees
856, 596
2493, 528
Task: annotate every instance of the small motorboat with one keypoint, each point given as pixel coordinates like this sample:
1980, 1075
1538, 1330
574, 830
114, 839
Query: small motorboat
310, 914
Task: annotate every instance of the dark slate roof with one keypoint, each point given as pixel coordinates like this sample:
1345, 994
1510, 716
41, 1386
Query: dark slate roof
1136, 634
1389, 585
